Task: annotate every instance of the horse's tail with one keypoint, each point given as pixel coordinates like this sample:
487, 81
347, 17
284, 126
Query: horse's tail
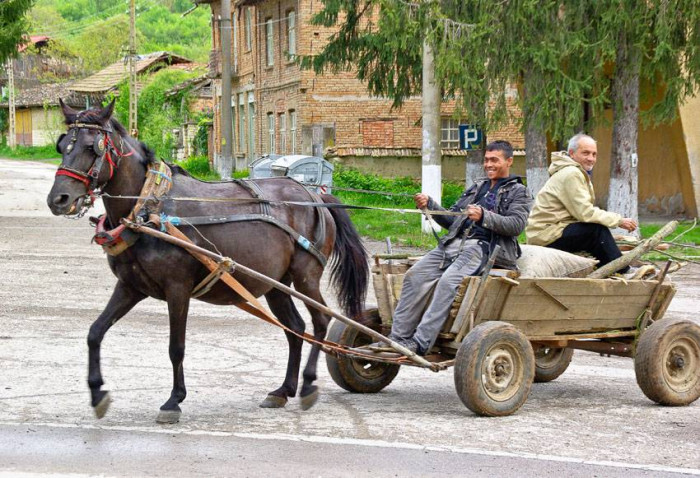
349, 262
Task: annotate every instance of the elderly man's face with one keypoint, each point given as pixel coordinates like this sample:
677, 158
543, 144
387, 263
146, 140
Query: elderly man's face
586, 154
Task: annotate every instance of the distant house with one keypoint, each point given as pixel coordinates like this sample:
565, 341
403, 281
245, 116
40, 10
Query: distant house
38, 121
96, 87
200, 101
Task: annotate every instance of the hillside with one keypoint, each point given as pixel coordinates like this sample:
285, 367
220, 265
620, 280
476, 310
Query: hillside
96, 32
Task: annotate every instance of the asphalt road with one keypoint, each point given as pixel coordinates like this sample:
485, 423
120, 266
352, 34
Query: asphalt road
592, 421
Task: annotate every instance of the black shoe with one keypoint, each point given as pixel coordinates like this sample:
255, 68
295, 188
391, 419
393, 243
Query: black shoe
412, 345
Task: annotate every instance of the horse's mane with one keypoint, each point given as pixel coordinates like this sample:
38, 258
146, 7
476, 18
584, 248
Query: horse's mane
176, 169
94, 116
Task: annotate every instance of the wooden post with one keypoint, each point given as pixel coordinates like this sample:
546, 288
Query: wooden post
626, 259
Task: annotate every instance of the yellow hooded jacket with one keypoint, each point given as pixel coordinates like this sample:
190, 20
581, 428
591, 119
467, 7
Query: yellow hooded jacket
566, 198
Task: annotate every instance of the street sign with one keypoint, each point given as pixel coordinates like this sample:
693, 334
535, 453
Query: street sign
470, 137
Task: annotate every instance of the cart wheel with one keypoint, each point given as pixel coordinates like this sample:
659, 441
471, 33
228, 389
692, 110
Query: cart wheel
550, 362
494, 369
667, 363
352, 374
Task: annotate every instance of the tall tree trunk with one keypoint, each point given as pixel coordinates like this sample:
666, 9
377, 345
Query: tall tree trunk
535, 143
622, 194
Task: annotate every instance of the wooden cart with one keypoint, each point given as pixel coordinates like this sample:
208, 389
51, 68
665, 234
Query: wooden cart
508, 332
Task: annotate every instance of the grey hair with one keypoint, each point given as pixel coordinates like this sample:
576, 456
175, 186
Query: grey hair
576, 139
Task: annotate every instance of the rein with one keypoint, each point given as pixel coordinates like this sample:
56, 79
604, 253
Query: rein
291, 203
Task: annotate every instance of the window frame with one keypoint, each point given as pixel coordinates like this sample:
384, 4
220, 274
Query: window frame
291, 35
269, 43
248, 26
272, 149
449, 135
293, 130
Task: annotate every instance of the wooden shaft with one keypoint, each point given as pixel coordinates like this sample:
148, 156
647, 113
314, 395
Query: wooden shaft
626, 259
288, 290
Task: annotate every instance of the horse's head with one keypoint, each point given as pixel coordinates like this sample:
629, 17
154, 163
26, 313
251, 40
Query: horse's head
88, 159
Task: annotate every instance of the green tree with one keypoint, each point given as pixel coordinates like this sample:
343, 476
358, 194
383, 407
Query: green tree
13, 26
158, 113
655, 43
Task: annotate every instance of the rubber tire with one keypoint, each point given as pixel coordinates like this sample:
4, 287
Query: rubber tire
473, 356
660, 342
356, 375
555, 365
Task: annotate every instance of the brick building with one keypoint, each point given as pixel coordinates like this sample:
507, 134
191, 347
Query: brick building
280, 109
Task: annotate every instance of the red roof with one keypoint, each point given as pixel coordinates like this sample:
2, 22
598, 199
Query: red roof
33, 39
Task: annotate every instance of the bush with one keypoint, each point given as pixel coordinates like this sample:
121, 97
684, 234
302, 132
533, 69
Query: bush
405, 186
198, 166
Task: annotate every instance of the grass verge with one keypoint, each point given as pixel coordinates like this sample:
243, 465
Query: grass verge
46, 153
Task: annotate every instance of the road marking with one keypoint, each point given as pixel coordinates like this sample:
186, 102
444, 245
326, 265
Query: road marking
367, 443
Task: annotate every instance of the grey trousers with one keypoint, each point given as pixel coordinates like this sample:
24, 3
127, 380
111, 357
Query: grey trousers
418, 316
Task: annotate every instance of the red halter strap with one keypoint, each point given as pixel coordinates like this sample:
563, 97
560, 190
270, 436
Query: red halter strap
89, 179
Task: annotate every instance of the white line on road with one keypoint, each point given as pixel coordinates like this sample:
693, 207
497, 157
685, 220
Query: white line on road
370, 443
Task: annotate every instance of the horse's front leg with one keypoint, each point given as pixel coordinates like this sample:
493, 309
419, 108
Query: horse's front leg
178, 299
123, 299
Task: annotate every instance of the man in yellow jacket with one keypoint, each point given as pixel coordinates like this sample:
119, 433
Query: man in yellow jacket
564, 216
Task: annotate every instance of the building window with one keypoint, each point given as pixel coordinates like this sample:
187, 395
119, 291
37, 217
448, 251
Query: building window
291, 35
235, 42
293, 130
241, 124
269, 43
251, 126
248, 29
449, 138
282, 120
271, 133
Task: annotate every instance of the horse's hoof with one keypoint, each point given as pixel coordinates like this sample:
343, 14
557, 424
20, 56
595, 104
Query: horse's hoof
273, 401
102, 406
309, 400
168, 416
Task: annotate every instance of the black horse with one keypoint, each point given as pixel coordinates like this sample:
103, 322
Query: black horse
99, 154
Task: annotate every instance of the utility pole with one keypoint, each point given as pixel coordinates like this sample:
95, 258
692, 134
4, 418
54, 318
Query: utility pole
225, 166
431, 171
12, 140
133, 94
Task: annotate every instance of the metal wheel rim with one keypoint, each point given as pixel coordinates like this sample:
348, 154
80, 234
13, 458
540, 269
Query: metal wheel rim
681, 364
548, 357
368, 369
501, 372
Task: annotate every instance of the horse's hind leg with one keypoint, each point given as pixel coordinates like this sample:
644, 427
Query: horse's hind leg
178, 307
282, 306
309, 286
123, 299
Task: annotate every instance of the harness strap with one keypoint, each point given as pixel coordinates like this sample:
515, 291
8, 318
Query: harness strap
256, 191
209, 220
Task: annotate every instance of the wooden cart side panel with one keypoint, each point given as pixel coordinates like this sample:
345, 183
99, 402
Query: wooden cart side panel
456, 324
559, 306
666, 294
387, 288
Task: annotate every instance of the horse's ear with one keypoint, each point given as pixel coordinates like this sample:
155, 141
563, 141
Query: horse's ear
106, 113
58, 143
68, 112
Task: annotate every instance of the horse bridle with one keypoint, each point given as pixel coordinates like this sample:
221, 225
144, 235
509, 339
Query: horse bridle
103, 148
